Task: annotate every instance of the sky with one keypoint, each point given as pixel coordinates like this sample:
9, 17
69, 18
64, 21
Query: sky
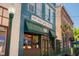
73, 11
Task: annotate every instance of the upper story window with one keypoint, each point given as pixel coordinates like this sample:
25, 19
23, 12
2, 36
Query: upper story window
52, 16
4, 16
31, 7
53, 4
39, 9
47, 13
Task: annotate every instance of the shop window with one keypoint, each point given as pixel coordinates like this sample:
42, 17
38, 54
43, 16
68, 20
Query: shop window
35, 42
39, 9
5, 13
5, 21
0, 11
51, 17
2, 42
31, 7
28, 41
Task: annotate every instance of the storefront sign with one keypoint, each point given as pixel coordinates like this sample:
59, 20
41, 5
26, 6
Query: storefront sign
42, 22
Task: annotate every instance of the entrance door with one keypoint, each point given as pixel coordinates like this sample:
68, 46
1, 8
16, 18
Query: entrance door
44, 45
31, 45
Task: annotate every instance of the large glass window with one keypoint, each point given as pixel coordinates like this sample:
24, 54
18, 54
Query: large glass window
35, 42
47, 11
28, 41
2, 40
31, 7
31, 44
39, 9
31, 41
51, 16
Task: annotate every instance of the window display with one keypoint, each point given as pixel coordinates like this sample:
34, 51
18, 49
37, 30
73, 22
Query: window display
28, 41
31, 41
2, 42
31, 44
31, 7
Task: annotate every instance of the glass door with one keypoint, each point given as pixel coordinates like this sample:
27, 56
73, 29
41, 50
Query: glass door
44, 45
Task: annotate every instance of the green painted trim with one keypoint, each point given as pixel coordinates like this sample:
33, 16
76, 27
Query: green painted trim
21, 35
33, 27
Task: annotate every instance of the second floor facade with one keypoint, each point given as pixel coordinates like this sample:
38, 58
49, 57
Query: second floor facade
64, 24
45, 12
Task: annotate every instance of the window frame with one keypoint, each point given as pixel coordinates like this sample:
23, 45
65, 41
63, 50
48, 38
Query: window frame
33, 5
51, 16
47, 13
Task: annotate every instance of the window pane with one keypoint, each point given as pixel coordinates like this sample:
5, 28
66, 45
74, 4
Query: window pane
5, 13
0, 11
0, 20
47, 13
52, 17
5, 21
35, 41
32, 7
2, 42
39, 9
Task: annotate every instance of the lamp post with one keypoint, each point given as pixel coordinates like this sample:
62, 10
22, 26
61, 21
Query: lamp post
11, 11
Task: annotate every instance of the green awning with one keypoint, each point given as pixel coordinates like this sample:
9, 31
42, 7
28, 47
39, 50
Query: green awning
33, 27
52, 33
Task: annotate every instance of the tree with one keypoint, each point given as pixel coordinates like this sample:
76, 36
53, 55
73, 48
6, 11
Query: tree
76, 33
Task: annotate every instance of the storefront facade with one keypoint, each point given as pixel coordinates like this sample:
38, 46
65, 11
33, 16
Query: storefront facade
36, 29
64, 27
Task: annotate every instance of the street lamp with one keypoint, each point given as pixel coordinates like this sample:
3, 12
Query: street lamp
11, 11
